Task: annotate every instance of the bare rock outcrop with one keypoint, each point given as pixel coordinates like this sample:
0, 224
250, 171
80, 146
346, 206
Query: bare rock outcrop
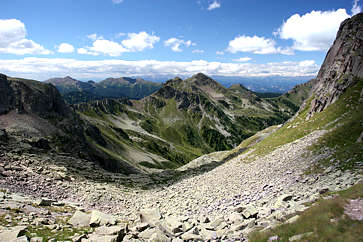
32, 97
342, 66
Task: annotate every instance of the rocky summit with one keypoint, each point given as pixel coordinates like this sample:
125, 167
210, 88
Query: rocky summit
194, 161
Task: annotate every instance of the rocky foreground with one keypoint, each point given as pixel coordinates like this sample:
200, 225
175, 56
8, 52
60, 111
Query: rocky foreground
85, 203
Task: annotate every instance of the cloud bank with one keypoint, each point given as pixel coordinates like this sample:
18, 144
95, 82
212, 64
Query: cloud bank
44, 68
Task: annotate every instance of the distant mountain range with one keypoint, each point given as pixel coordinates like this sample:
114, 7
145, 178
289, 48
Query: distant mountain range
75, 91
271, 84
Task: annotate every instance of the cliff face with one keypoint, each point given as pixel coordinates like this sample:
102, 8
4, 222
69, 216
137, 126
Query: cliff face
6, 95
342, 66
32, 97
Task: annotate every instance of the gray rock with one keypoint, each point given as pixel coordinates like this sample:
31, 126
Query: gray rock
176, 240
158, 236
235, 217
250, 212
13, 233
217, 222
282, 200
191, 237
119, 230
98, 219
240, 226
80, 219
300, 236
36, 239
102, 238
273, 238
293, 219
172, 225
239, 209
146, 234
21, 239
150, 216
140, 227
204, 219
208, 235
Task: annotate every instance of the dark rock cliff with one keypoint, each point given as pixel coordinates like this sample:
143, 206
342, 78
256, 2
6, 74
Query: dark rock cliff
342, 66
6, 95
33, 105
32, 97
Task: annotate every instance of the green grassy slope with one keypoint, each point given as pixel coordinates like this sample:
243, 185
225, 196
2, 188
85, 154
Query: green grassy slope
343, 118
186, 119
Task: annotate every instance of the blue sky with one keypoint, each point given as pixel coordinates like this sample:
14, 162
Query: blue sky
94, 39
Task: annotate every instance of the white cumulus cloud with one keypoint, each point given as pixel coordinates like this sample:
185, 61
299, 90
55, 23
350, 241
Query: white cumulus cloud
117, 1
176, 44
356, 8
243, 59
140, 41
135, 42
314, 31
219, 52
65, 48
107, 47
44, 68
215, 4
13, 39
256, 45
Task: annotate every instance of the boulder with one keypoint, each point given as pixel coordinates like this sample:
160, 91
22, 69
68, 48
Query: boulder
80, 219
171, 225
158, 236
151, 216
208, 235
146, 234
98, 219
250, 212
282, 200
292, 219
21, 239
13, 233
217, 222
240, 226
235, 217
119, 230
101, 238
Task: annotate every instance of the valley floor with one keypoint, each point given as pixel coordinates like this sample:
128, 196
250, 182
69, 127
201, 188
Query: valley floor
238, 195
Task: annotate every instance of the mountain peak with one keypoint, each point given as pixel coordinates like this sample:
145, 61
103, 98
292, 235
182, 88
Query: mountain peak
202, 80
200, 75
